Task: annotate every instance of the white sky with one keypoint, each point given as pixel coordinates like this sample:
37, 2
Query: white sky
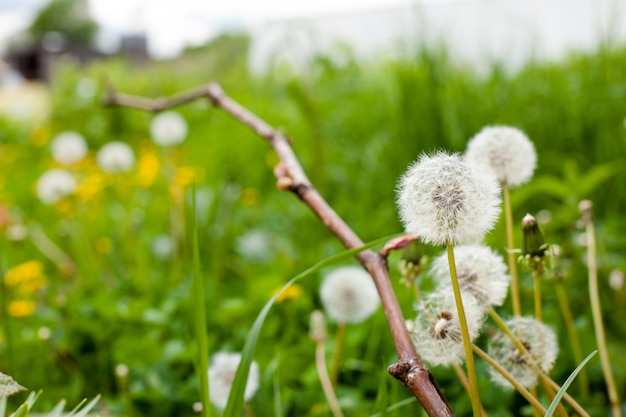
171, 24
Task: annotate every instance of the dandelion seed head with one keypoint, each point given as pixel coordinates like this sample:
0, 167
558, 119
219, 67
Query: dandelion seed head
162, 247
445, 200
68, 148
539, 340
115, 157
168, 128
55, 184
481, 273
349, 295
222, 373
436, 332
505, 150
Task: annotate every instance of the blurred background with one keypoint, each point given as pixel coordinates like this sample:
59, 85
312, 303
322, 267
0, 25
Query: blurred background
362, 87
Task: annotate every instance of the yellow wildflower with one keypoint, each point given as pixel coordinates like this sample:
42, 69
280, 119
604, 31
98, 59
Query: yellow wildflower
91, 186
250, 196
26, 277
39, 137
187, 175
21, 308
149, 166
290, 293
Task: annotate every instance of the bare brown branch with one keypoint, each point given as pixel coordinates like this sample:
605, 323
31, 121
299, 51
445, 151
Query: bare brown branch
409, 369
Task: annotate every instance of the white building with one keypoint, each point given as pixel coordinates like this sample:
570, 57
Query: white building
476, 31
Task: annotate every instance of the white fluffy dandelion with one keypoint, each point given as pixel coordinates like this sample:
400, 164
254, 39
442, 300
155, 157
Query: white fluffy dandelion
445, 200
349, 295
221, 375
168, 128
481, 273
68, 148
436, 332
540, 342
505, 150
115, 157
55, 184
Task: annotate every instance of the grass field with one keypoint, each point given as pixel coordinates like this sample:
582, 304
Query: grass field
104, 276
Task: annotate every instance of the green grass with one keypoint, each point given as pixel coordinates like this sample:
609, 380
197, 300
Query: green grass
355, 128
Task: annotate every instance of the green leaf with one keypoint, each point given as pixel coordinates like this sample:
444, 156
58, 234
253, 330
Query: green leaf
567, 383
382, 397
22, 411
235, 399
8, 386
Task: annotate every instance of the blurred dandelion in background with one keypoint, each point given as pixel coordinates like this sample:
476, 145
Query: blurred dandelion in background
168, 129
162, 247
55, 184
222, 373
115, 157
68, 148
349, 295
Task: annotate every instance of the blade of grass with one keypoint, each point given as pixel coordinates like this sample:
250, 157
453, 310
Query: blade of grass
235, 399
86, 409
567, 383
382, 398
397, 405
199, 307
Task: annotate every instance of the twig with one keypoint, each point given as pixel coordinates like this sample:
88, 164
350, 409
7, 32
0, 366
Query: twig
291, 176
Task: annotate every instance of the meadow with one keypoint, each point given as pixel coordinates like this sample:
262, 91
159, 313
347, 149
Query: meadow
98, 294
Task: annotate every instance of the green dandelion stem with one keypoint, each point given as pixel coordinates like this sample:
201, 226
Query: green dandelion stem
339, 338
200, 321
467, 343
566, 312
508, 215
537, 279
596, 311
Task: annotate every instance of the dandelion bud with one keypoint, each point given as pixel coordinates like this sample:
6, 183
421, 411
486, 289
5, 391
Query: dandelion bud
121, 371
585, 207
55, 184
534, 244
115, 157
481, 273
221, 375
541, 347
505, 150
412, 262
616, 279
317, 327
349, 295
168, 128
436, 332
445, 200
